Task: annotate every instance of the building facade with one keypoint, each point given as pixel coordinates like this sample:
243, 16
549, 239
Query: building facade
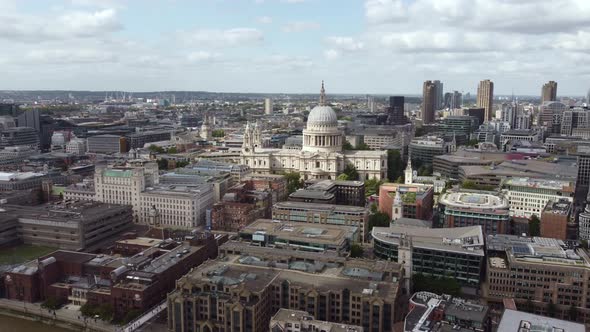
485, 98
429, 98
529, 196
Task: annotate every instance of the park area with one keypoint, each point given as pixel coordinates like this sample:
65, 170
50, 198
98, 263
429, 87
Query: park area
22, 253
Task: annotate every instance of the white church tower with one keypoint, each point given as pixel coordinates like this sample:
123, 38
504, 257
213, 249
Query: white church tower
397, 208
409, 173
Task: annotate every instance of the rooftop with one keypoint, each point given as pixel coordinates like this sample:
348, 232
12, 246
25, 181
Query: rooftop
319, 207
540, 183
475, 200
560, 207
468, 240
302, 232
520, 321
19, 176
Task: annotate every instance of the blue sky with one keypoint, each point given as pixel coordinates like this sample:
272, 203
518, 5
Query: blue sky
356, 46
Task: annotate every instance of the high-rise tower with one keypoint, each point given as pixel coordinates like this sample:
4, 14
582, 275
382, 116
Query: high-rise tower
485, 98
428, 102
549, 92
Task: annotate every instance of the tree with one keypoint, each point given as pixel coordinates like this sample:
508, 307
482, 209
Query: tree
52, 303
180, 164
342, 177
163, 164
362, 146
551, 309
437, 285
172, 150
131, 315
395, 165
347, 146
351, 172
472, 142
371, 186
356, 250
584, 244
379, 219
374, 208
106, 312
156, 149
400, 179
88, 310
294, 181
425, 170
218, 133
534, 226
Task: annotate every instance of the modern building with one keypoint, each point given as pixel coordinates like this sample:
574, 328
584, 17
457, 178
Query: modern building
395, 111
268, 108
323, 214
429, 312
485, 98
555, 219
19, 136
447, 165
584, 223
549, 91
331, 192
411, 201
321, 156
140, 139
208, 166
70, 225
460, 125
106, 144
550, 115
513, 320
543, 275
423, 149
242, 293
460, 208
76, 146
575, 122
301, 321
301, 236
429, 98
529, 196
439, 93
456, 253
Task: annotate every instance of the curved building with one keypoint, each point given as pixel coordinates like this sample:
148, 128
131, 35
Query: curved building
321, 155
462, 208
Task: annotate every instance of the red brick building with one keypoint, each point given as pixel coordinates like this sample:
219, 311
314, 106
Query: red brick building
554, 219
239, 207
417, 200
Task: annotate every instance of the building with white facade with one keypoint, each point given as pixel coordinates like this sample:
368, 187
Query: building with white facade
76, 146
529, 196
321, 156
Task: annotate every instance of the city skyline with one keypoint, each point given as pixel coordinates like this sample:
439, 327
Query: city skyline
285, 46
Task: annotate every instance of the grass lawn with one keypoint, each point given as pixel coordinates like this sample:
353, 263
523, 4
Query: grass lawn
22, 253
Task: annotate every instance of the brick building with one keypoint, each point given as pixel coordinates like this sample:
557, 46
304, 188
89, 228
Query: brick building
555, 218
416, 200
239, 207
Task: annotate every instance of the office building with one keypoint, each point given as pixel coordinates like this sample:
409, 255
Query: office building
70, 225
438, 96
459, 125
438, 252
76, 146
324, 238
239, 207
453, 100
331, 192
550, 114
429, 98
243, 293
429, 312
584, 222
268, 108
423, 149
529, 196
549, 91
395, 111
447, 165
411, 201
555, 218
543, 275
106, 144
301, 321
140, 139
575, 122
513, 320
485, 98
460, 208
323, 214
19, 136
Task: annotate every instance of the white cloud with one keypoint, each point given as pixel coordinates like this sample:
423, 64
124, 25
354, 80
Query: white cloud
300, 26
202, 56
331, 54
264, 20
221, 38
69, 56
345, 43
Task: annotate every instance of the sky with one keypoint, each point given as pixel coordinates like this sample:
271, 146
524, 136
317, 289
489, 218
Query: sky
289, 46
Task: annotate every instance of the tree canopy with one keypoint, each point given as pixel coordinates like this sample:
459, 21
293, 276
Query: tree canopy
534, 226
436, 285
294, 181
395, 165
356, 250
379, 219
351, 172
218, 133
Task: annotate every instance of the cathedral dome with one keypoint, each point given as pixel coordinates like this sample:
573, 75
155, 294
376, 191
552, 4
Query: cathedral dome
322, 116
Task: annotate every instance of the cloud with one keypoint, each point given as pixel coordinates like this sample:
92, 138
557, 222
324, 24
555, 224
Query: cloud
68, 56
264, 20
345, 43
300, 26
331, 54
223, 38
202, 56
74, 24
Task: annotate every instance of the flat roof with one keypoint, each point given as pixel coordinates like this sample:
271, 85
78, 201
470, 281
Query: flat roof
476, 200
539, 183
513, 320
466, 240
305, 232
318, 206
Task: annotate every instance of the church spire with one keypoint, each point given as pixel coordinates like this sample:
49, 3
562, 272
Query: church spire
322, 95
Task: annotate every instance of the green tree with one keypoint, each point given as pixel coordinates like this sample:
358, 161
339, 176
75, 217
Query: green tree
218, 133
534, 226
180, 164
362, 146
52, 303
88, 310
437, 285
294, 181
162, 164
347, 146
374, 208
584, 244
395, 165
472, 142
379, 219
351, 172
425, 170
131, 315
172, 150
342, 177
400, 179
106, 312
372, 186
356, 250
156, 149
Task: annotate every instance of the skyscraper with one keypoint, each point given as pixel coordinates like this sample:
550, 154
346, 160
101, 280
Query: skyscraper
439, 100
268, 106
396, 110
588, 97
485, 98
429, 102
549, 92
